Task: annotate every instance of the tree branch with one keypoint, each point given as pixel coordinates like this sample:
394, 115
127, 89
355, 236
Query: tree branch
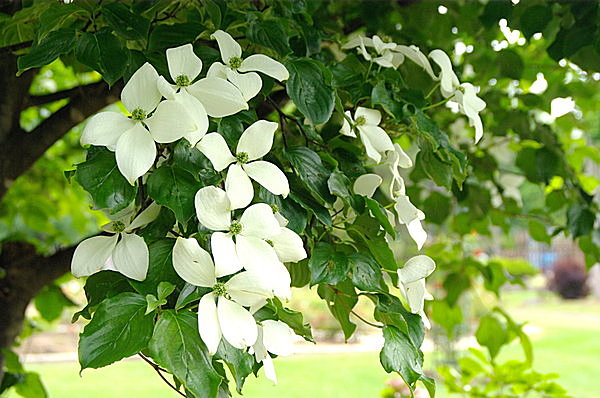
37, 100
20, 150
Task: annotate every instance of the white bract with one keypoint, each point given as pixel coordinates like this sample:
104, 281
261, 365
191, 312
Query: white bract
411, 280
255, 142
409, 215
415, 55
251, 248
470, 105
221, 313
277, 338
124, 252
389, 171
448, 79
217, 97
133, 139
373, 137
385, 56
248, 83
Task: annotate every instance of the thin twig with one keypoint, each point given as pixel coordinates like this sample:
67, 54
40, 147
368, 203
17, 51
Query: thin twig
158, 370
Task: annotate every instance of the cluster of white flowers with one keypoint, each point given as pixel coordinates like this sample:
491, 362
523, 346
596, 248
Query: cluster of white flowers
389, 158
246, 267
392, 55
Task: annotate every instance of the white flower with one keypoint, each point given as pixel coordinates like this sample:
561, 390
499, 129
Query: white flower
414, 54
448, 80
248, 83
409, 215
255, 142
411, 280
250, 249
133, 139
277, 338
127, 255
221, 313
373, 137
389, 170
386, 56
470, 105
217, 97
288, 246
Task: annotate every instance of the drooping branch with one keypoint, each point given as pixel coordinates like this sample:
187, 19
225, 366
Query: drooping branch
21, 149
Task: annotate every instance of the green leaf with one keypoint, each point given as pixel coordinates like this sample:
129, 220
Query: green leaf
173, 35
538, 232
306, 201
390, 311
127, 24
165, 289
327, 265
580, 220
51, 301
103, 52
293, 319
429, 384
153, 303
239, 362
59, 42
269, 33
437, 170
118, 330
491, 334
31, 386
447, 317
309, 86
366, 231
174, 188
380, 214
340, 298
160, 268
100, 176
100, 286
311, 171
177, 347
160, 227
381, 96
294, 213
56, 17
511, 64
534, 19
366, 273
191, 159
400, 355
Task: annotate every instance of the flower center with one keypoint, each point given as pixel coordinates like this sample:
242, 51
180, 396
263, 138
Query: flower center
361, 121
235, 227
235, 62
242, 157
138, 114
182, 81
219, 289
275, 208
118, 226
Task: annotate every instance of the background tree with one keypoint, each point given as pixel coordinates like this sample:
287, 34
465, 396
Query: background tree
531, 170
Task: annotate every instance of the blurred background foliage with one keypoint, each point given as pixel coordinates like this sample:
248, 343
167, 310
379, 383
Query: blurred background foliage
533, 179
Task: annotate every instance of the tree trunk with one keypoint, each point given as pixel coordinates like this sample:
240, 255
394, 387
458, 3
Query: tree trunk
25, 274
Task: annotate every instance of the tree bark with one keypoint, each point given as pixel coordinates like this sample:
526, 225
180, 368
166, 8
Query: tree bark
25, 274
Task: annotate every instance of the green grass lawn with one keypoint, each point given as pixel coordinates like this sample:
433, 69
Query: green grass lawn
309, 375
567, 343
